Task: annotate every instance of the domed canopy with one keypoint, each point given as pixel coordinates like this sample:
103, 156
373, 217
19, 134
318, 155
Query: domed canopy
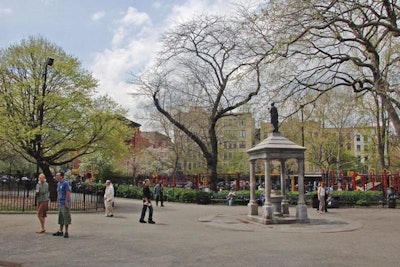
276, 146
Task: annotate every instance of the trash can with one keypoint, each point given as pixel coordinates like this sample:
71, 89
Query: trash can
315, 202
392, 202
333, 202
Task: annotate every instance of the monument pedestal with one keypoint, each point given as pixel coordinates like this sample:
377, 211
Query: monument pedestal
252, 208
301, 213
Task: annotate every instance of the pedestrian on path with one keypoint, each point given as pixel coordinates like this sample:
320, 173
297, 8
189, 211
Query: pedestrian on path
231, 197
146, 203
321, 197
159, 193
64, 205
42, 194
109, 199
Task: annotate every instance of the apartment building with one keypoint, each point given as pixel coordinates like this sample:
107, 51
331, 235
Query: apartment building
235, 135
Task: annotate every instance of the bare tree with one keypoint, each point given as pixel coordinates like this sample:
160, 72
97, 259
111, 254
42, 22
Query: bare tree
208, 66
335, 43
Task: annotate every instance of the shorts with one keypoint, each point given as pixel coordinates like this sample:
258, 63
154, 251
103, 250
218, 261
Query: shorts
64, 216
42, 209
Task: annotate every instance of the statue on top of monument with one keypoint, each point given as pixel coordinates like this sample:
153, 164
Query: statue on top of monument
274, 117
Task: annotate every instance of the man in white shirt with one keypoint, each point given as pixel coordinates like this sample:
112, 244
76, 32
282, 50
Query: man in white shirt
321, 197
109, 199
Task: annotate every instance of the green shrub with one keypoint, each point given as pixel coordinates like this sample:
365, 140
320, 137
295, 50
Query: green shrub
174, 194
128, 191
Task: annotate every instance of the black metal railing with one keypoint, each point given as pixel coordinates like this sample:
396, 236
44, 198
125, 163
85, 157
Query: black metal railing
20, 197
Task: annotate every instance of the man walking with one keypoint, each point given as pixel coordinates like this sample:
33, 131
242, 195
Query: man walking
109, 199
64, 204
159, 193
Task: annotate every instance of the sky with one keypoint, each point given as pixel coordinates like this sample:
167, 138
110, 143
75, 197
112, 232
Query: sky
113, 39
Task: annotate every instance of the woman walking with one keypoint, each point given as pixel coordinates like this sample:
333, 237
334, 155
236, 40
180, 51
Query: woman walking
42, 193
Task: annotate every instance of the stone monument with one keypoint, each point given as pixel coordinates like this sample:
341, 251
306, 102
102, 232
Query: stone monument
278, 148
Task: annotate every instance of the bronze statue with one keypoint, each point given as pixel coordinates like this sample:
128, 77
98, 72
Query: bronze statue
274, 117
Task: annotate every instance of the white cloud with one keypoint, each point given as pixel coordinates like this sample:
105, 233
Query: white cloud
135, 44
157, 5
131, 22
98, 15
5, 11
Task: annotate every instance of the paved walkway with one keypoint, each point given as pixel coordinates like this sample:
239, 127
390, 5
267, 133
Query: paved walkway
204, 235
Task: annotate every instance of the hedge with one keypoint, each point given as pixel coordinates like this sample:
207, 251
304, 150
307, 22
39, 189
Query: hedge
184, 195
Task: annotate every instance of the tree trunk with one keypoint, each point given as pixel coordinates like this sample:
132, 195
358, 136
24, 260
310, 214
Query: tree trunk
212, 170
393, 116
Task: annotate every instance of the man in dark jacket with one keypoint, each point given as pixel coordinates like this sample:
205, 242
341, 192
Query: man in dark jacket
146, 203
159, 193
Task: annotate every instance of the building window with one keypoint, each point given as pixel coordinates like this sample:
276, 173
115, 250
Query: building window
310, 168
365, 139
242, 133
242, 144
358, 148
242, 123
358, 137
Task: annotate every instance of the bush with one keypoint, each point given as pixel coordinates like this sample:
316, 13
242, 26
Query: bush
184, 195
128, 191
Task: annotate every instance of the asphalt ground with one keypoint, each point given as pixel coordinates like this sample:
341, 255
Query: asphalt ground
203, 235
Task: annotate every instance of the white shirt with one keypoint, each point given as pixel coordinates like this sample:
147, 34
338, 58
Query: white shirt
321, 191
109, 193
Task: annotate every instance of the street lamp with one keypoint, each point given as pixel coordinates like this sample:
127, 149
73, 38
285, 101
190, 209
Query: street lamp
49, 62
302, 125
302, 137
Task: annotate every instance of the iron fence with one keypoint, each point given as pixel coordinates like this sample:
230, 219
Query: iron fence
21, 197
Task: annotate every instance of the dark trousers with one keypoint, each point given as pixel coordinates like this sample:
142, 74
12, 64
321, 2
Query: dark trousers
160, 198
144, 212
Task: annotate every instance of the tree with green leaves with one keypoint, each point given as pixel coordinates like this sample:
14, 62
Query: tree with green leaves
50, 113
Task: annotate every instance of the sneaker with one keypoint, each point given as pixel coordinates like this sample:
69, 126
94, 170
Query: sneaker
66, 235
142, 221
151, 222
58, 233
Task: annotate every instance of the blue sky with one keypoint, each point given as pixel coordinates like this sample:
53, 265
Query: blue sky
112, 38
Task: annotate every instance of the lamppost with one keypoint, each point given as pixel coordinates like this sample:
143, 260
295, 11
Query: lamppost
302, 125
302, 137
49, 62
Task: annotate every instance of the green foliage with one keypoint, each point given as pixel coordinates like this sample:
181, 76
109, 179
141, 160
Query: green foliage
56, 123
128, 191
359, 197
174, 194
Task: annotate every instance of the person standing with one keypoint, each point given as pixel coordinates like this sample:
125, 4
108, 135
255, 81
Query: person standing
159, 193
64, 205
42, 194
109, 199
321, 197
146, 203
231, 197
